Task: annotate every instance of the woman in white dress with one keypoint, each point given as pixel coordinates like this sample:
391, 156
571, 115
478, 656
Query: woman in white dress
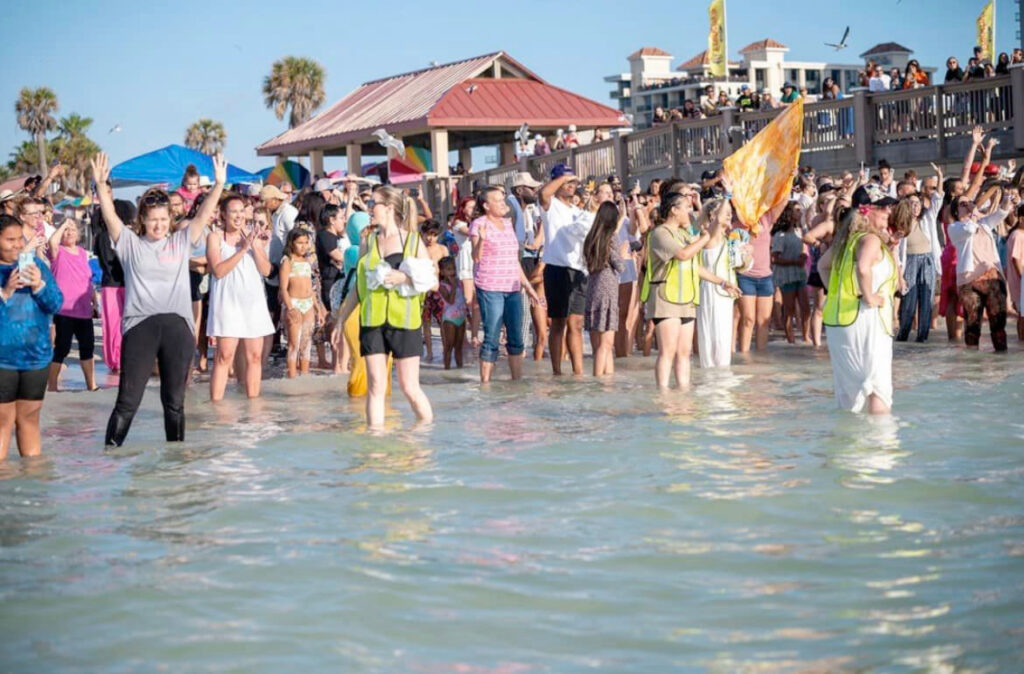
715, 337
238, 308
862, 278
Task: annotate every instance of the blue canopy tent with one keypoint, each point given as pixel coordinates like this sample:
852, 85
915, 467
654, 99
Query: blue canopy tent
167, 165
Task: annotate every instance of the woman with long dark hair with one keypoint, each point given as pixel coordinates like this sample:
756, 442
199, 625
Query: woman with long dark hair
604, 255
158, 322
670, 290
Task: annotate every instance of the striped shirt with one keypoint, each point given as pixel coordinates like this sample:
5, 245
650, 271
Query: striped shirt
498, 269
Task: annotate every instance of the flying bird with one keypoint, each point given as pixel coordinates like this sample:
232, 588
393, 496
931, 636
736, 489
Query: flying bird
842, 43
523, 134
471, 88
387, 140
115, 129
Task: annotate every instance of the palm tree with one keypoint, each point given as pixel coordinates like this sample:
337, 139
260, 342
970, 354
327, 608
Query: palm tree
24, 157
35, 108
207, 136
74, 148
296, 83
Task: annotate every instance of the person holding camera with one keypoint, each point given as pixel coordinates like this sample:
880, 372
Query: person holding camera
29, 297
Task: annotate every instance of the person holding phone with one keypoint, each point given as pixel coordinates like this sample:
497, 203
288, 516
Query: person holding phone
238, 262
29, 297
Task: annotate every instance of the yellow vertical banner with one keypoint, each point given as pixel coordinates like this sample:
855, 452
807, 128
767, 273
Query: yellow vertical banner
717, 57
987, 32
762, 170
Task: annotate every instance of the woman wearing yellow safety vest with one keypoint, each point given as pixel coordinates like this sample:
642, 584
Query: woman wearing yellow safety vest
393, 274
862, 278
671, 287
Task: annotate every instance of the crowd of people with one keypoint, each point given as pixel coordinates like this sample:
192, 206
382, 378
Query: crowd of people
245, 275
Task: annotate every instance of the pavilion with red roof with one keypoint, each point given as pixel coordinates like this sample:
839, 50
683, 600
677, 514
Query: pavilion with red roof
477, 102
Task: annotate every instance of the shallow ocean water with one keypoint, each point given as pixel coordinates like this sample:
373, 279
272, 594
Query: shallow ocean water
548, 525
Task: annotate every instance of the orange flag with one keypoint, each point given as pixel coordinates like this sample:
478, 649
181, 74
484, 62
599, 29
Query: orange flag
762, 170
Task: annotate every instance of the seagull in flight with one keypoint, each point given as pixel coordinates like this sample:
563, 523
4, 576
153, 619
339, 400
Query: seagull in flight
842, 43
115, 129
523, 134
387, 140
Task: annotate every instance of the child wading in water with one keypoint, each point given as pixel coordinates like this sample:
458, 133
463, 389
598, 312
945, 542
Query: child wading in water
430, 231
299, 300
453, 321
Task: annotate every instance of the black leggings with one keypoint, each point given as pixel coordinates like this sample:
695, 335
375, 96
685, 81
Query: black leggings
167, 339
79, 328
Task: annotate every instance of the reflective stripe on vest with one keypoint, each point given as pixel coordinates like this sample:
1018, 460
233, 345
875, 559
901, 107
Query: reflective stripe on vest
843, 302
380, 306
681, 282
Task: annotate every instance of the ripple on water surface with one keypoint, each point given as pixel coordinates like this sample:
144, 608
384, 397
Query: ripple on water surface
546, 525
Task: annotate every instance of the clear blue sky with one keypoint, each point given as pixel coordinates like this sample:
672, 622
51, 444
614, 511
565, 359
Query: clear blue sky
156, 70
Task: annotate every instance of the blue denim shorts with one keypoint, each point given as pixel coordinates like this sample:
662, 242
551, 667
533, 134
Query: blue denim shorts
761, 287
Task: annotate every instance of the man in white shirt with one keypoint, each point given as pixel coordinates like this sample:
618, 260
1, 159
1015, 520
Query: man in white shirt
888, 184
528, 221
879, 81
282, 221
565, 278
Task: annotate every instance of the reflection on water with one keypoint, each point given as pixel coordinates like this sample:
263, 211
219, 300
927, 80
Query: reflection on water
547, 525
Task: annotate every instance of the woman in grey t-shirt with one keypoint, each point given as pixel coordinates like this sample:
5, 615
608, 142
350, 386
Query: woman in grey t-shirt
158, 323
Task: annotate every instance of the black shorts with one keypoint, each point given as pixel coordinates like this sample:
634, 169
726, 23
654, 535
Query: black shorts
529, 265
682, 321
23, 384
814, 279
565, 290
395, 341
195, 279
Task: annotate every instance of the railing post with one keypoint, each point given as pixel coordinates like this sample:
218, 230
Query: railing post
1017, 100
940, 122
570, 161
863, 127
621, 150
728, 121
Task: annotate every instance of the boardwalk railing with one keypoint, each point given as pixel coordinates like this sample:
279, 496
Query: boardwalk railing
907, 128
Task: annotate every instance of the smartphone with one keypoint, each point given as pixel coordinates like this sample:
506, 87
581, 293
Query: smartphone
26, 259
414, 192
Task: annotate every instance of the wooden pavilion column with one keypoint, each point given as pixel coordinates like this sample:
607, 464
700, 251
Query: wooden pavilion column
354, 155
316, 162
466, 158
439, 151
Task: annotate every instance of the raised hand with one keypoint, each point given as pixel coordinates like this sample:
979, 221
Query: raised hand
977, 135
220, 169
100, 165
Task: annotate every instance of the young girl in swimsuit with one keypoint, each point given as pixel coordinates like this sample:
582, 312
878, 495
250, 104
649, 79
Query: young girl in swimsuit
453, 315
298, 299
430, 230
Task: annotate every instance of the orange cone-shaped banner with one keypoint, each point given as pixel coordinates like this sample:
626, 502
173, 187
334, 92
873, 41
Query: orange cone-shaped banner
762, 170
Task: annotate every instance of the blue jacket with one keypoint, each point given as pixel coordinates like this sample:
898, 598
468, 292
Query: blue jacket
25, 322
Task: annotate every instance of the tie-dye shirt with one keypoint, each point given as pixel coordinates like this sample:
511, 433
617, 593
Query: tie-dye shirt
25, 321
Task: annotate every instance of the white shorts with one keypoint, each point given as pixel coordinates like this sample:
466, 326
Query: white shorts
464, 263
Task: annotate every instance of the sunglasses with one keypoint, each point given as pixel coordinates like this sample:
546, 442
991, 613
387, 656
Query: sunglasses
156, 200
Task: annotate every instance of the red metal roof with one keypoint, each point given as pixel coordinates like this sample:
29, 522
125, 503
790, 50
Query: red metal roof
510, 102
766, 43
409, 103
648, 51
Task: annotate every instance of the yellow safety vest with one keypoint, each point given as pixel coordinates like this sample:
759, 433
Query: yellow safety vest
680, 284
843, 302
380, 306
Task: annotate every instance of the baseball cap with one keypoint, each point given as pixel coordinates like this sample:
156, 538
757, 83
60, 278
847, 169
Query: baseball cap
524, 179
322, 185
559, 170
871, 195
272, 192
709, 175
744, 87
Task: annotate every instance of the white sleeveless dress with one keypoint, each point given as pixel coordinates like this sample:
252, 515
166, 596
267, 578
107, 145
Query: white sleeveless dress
861, 353
714, 315
238, 302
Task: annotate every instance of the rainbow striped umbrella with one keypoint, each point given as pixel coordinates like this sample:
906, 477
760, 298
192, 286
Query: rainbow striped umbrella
287, 171
418, 158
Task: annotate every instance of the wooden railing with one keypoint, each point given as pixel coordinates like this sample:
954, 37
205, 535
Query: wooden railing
906, 128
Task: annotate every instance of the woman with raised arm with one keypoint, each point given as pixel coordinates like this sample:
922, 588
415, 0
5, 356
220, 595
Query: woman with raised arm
670, 291
393, 275
158, 323
238, 309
